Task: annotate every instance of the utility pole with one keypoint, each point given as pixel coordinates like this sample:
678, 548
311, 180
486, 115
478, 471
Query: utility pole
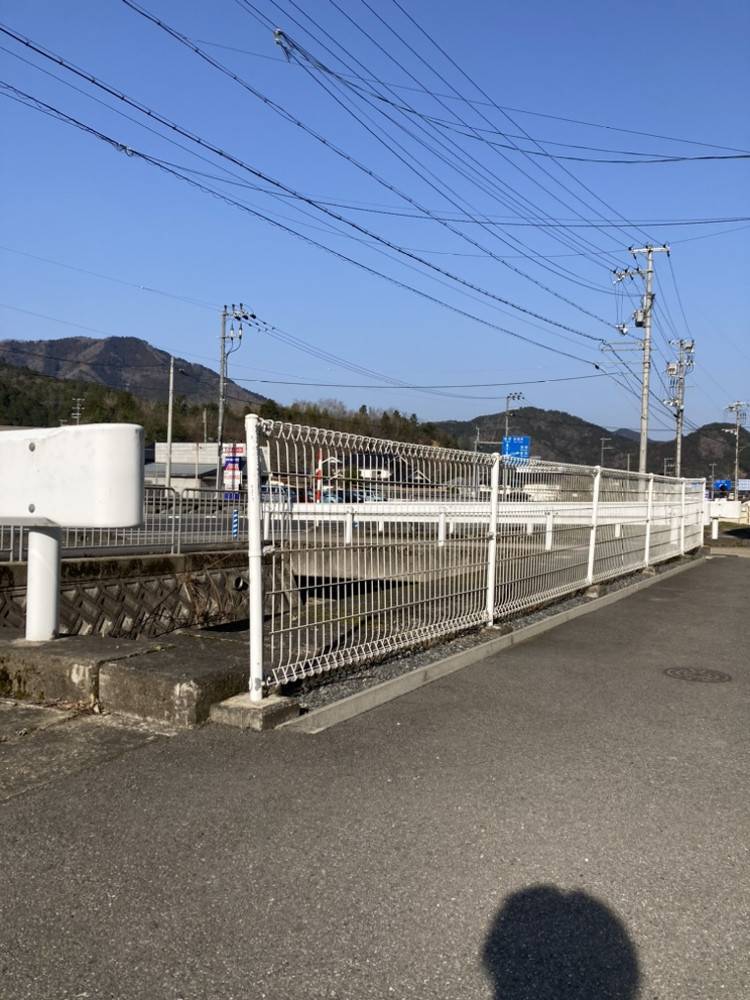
603, 446
667, 463
238, 313
677, 370
713, 478
628, 458
512, 396
78, 404
205, 425
642, 319
740, 415
170, 408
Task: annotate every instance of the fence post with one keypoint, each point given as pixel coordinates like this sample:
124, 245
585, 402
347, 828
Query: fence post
649, 518
594, 520
179, 515
682, 520
255, 558
492, 539
548, 528
175, 527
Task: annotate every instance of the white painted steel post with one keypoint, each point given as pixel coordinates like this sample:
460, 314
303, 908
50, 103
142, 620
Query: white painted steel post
649, 518
594, 520
255, 558
349, 528
43, 583
492, 536
682, 520
441, 528
529, 527
618, 530
548, 525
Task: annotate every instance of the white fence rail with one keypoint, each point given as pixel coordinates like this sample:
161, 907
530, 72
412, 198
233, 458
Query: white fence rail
373, 546
360, 547
172, 523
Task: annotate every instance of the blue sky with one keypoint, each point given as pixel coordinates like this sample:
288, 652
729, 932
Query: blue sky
680, 72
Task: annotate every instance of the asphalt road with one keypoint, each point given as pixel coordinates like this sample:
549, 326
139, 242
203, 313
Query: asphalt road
560, 821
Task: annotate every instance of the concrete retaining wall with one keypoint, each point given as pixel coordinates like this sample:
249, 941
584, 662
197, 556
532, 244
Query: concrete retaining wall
134, 596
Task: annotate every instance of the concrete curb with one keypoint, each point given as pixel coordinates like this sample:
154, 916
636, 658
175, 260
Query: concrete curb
323, 718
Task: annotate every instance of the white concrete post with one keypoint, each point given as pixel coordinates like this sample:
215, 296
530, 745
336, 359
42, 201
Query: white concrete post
348, 528
618, 530
594, 521
492, 536
548, 527
682, 519
649, 517
43, 583
529, 527
714, 528
255, 558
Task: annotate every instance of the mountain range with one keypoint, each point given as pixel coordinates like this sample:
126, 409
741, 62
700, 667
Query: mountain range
125, 363
125, 378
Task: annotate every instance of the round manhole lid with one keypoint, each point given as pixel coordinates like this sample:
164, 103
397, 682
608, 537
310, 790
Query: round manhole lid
700, 674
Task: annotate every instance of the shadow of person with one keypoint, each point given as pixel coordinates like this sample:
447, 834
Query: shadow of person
545, 944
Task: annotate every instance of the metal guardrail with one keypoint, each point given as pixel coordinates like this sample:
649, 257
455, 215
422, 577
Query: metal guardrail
359, 547
376, 546
172, 523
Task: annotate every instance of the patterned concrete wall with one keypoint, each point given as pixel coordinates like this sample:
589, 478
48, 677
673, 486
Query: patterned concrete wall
134, 596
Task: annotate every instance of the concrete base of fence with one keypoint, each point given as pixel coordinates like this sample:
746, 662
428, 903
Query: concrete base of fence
364, 701
62, 669
170, 687
242, 713
173, 682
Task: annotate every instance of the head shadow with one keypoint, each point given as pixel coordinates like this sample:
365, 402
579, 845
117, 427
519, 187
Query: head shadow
547, 944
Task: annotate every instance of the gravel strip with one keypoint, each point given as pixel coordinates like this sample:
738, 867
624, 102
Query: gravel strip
318, 691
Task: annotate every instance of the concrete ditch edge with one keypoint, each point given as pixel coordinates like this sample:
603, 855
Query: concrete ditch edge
327, 716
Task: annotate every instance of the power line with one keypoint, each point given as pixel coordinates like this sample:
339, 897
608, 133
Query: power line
154, 161
504, 107
188, 43
253, 171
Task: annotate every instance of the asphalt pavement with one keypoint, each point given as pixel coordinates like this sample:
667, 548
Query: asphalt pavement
563, 820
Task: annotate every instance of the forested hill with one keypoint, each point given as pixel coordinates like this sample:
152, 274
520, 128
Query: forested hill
561, 437
28, 399
121, 363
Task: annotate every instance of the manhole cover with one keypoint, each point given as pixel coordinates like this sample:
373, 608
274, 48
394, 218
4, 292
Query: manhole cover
702, 674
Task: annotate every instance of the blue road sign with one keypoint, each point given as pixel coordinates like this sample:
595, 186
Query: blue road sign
516, 447
723, 484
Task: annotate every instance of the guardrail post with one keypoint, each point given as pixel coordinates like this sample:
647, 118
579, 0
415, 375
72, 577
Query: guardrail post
43, 583
682, 520
548, 526
492, 537
179, 516
649, 518
594, 521
175, 525
255, 558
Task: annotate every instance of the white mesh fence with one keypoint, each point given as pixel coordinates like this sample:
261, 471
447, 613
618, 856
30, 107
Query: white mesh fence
371, 546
